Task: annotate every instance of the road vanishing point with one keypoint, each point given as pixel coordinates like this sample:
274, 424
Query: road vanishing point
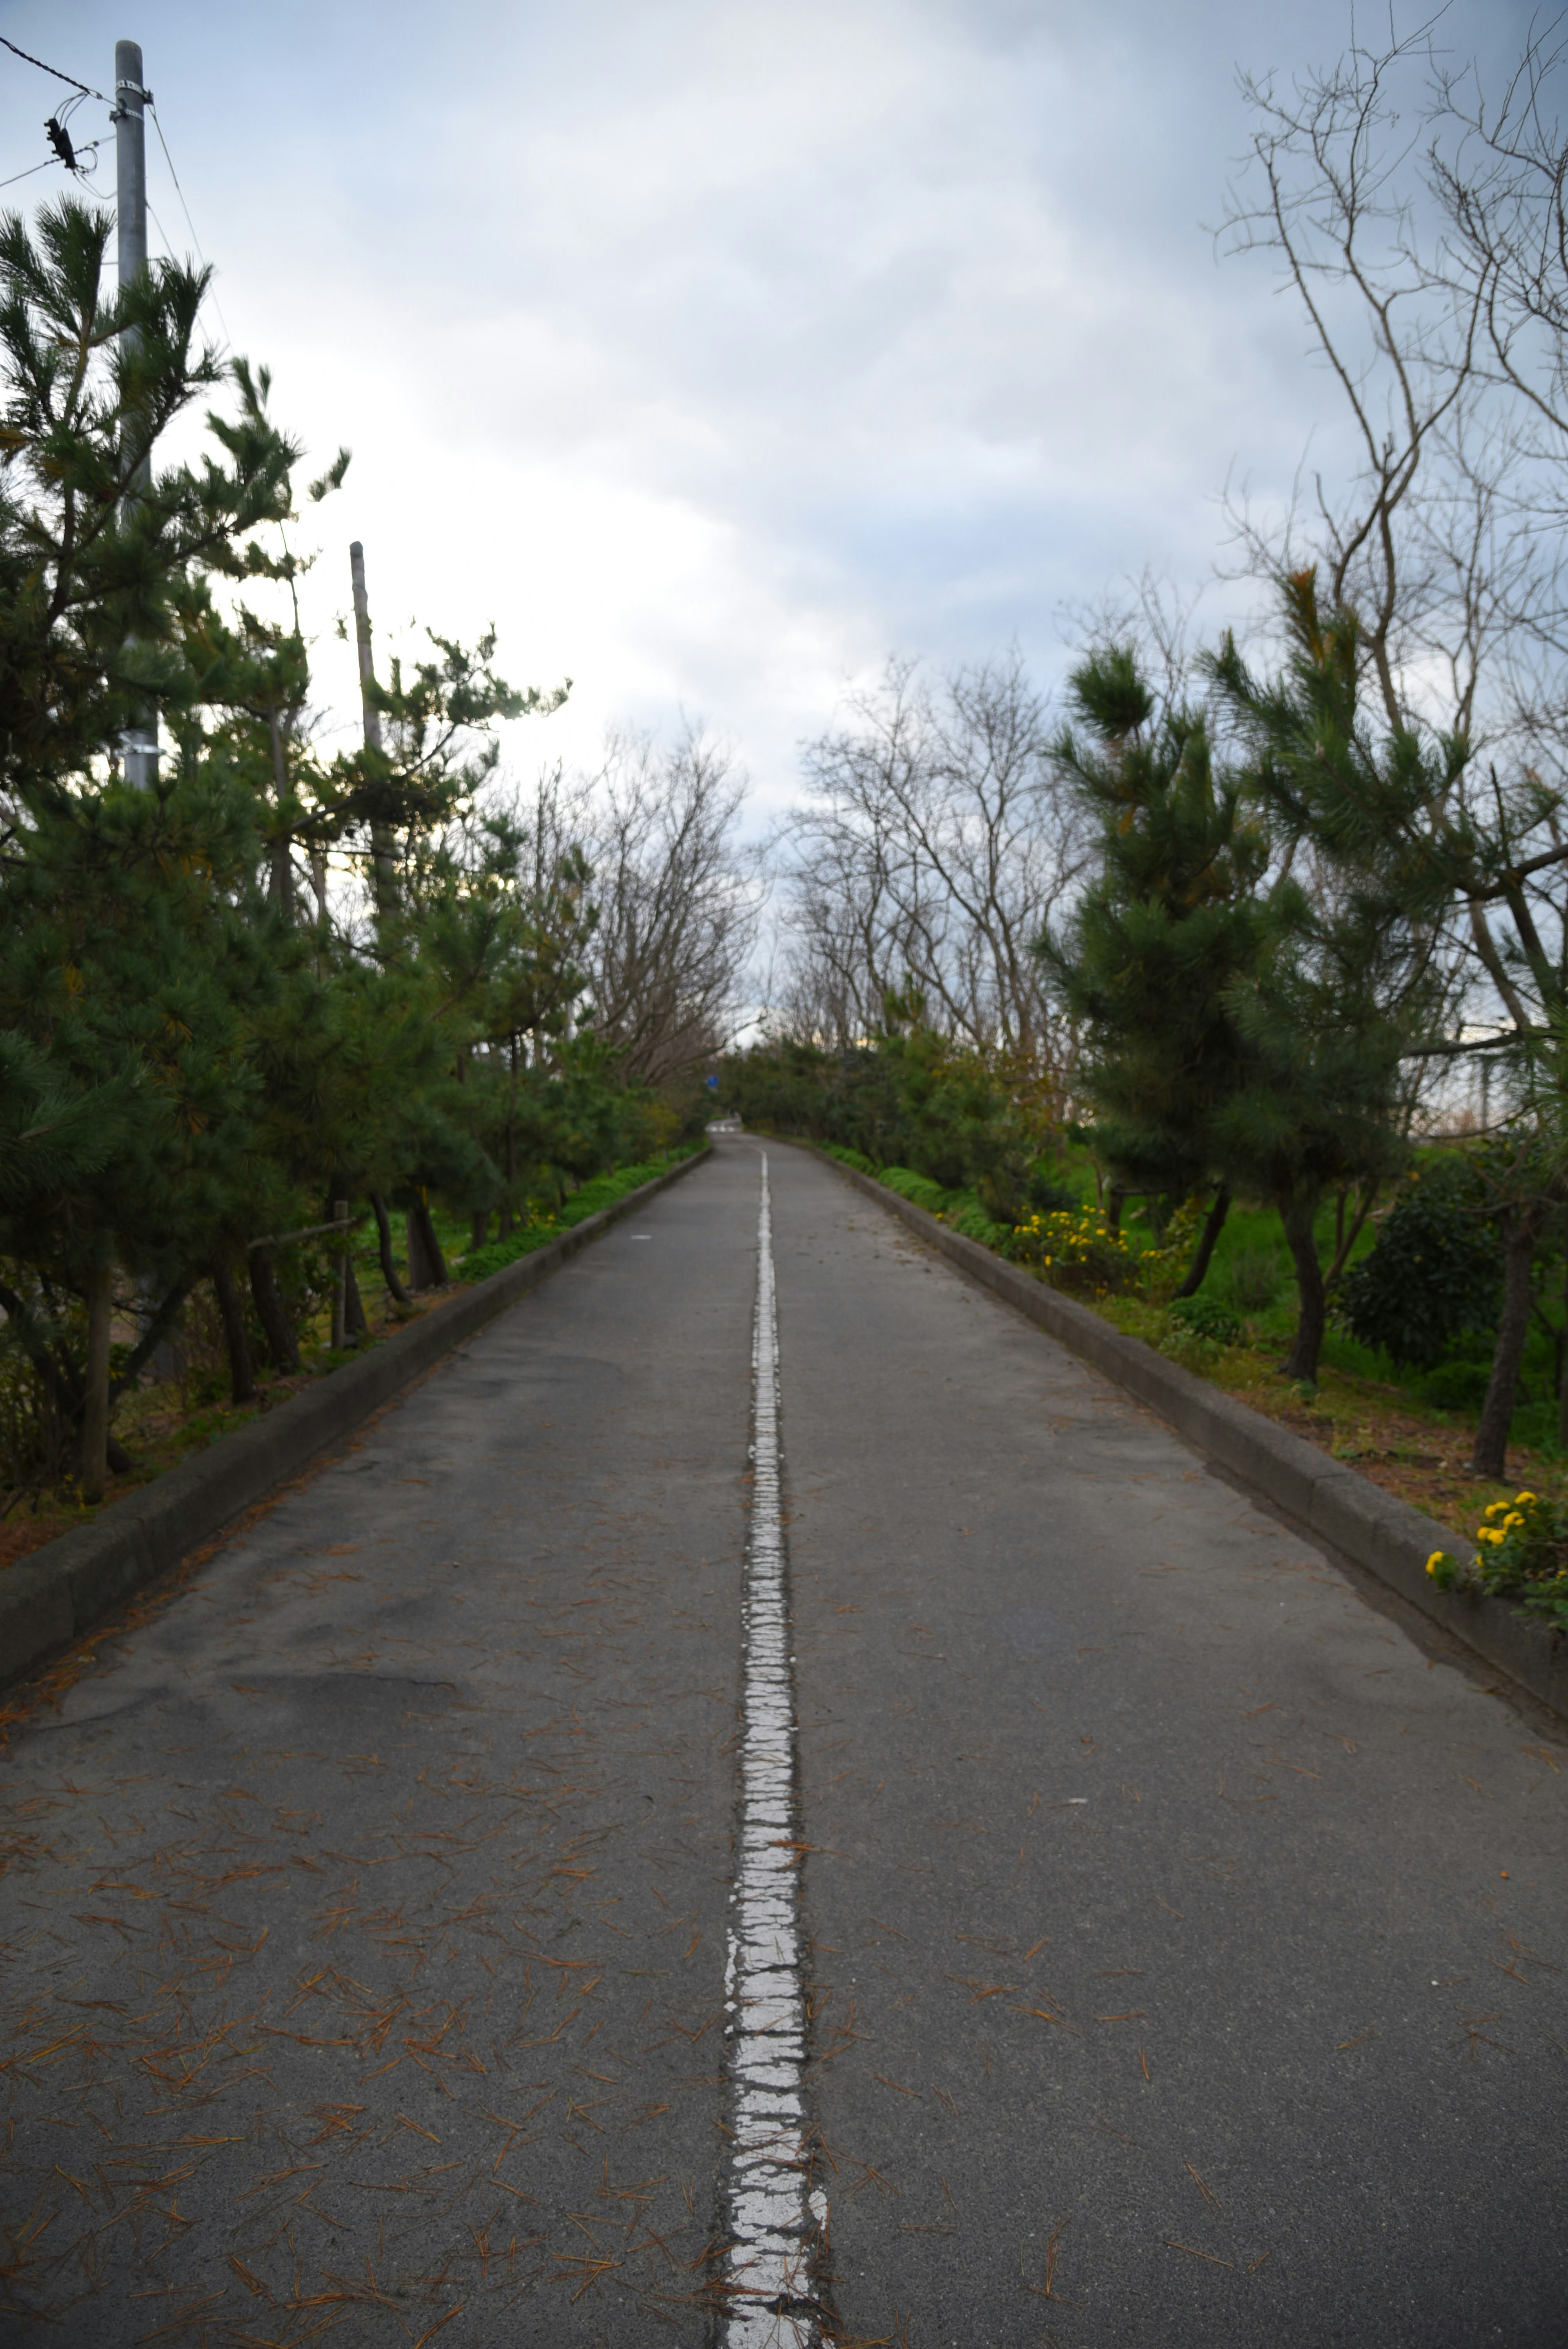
763, 1803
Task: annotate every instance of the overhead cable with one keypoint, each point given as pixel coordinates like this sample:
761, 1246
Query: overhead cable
86, 89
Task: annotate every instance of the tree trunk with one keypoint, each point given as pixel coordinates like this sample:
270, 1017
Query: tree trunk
94, 1406
281, 1344
395, 1289
281, 879
1207, 1243
355, 1324
157, 1337
1346, 1240
482, 1227
1298, 1218
1114, 1207
241, 1379
339, 1275
427, 1265
1489, 1457
503, 1230
1562, 1352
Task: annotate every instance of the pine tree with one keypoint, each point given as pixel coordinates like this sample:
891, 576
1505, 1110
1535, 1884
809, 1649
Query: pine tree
1172, 925
1353, 979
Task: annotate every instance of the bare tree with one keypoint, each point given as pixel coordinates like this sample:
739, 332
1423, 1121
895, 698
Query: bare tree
1433, 268
1417, 229
937, 840
677, 899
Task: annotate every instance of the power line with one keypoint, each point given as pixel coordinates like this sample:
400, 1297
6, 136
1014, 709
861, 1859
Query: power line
48, 165
190, 223
26, 59
177, 189
85, 90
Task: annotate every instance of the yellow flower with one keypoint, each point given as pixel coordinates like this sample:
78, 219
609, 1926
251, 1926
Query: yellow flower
1522, 1496
1495, 1508
1489, 1534
1434, 1560
1512, 1518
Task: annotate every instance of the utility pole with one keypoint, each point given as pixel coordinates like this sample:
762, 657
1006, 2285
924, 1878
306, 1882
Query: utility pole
380, 836
141, 746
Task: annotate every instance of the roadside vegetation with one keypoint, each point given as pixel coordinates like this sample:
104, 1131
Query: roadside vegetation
1227, 989
289, 1033
1230, 989
163, 1419
1405, 1418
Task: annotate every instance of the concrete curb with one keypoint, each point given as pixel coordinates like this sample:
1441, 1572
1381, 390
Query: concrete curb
1324, 1497
54, 1596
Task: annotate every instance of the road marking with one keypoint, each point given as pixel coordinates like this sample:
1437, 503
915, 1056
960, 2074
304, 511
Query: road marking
773, 2215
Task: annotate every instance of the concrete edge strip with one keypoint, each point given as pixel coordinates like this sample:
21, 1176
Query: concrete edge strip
53, 1597
1322, 1497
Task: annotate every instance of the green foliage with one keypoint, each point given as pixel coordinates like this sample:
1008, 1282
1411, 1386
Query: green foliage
1521, 1552
1207, 1318
96, 541
589, 1199
918, 1189
191, 1060
1456, 1386
1253, 1279
1075, 1249
1172, 925
910, 1098
1046, 1192
1436, 1273
961, 1207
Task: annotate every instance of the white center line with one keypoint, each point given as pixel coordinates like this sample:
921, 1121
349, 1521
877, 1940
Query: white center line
772, 2213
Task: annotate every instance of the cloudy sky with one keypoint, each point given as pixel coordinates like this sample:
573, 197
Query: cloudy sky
716, 351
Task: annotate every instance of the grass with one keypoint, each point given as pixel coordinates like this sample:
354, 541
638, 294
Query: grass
164, 1425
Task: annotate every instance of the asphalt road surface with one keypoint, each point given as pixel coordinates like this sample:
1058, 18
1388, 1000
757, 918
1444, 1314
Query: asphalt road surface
1182, 1942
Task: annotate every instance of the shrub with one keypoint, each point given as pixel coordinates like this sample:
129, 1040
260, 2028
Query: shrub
1255, 1279
918, 1189
1435, 1273
1523, 1552
1162, 1268
1073, 1250
1047, 1195
1208, 1318
1455, 1386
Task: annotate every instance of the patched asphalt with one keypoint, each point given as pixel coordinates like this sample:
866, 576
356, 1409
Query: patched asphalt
1186, 1942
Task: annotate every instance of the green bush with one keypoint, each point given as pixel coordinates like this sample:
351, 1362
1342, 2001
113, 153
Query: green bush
1207, 1318
1455, 1386
1522, 1553
1435, 1274
1047, 1195
907, 1098
1077, 1250
1255, 1279
918, 1189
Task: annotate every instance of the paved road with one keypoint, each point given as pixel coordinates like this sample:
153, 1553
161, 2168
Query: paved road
1185, 1946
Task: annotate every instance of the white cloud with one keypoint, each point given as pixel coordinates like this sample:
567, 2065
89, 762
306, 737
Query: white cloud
713, 350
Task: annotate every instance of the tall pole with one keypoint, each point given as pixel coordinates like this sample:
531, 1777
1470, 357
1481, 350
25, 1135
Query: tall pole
380, 836
140, 747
